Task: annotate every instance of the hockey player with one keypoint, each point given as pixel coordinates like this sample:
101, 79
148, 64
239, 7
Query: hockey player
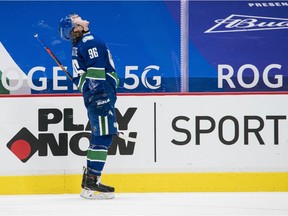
97, 80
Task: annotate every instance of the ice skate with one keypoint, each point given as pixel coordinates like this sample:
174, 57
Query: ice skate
93, 189
89, 194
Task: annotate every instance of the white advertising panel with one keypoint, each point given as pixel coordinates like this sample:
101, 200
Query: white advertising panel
173, 133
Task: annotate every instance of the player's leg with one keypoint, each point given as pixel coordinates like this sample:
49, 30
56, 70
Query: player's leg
102, 130
96, 159
92, 188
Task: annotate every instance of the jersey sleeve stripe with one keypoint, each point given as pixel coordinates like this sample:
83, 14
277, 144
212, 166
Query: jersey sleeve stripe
114, 76
96, 73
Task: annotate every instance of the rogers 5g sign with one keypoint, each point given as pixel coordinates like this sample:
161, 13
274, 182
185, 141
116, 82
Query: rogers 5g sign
132, 80
226, 72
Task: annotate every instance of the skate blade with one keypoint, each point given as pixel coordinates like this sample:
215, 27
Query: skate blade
88, 194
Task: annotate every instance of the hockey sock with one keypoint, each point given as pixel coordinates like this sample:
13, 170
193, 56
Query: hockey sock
97, 153
96, 158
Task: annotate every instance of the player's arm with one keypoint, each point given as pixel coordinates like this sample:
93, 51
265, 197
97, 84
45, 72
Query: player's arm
110, 68
95, 74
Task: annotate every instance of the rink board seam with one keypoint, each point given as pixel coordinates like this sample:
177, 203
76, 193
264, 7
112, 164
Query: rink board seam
153, 182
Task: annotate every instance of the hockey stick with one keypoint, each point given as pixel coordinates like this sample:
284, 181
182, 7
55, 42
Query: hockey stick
54, 57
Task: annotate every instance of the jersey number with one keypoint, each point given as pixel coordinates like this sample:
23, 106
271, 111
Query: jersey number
93, 53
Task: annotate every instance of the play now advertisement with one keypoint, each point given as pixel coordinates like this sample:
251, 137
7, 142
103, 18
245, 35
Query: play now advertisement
157, 46
176, 133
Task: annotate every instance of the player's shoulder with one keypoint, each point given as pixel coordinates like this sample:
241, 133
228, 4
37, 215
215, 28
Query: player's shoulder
89, 38
89, 41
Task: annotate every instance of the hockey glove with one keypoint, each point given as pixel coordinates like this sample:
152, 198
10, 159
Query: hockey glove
101, 104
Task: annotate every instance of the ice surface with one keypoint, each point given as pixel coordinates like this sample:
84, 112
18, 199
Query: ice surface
257, 203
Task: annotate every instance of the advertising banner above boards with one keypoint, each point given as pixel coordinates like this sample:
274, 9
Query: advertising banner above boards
238, 46
143, 36
238, 133
225, 46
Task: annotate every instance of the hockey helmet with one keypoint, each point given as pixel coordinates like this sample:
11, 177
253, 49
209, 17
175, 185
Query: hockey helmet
66, 26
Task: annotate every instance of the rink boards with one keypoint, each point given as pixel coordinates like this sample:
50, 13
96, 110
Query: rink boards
178, 142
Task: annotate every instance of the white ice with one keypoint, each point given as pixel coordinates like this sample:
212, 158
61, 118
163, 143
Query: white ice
257, 203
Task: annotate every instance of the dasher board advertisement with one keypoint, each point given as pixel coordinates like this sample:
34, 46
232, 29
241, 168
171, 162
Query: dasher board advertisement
209, 134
